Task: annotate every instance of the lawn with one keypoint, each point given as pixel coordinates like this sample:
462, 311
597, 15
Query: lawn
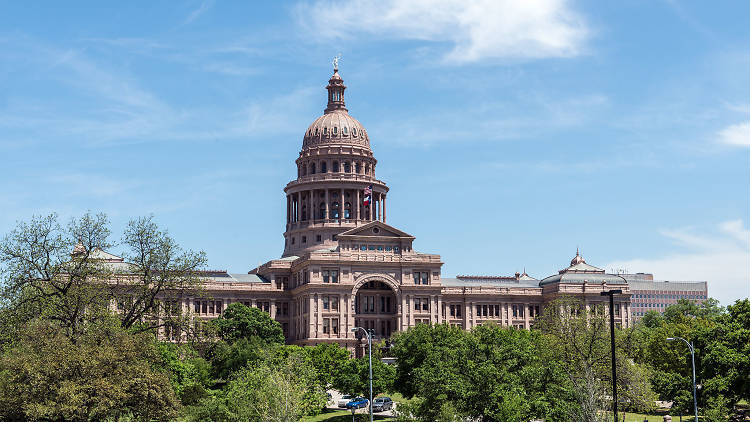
339, 416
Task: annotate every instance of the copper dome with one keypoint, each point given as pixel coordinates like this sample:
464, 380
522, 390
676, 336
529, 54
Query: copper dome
336, 126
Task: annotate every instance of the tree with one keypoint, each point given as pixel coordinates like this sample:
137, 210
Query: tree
54, 271
107, 373
579, 340
159, 273
64, 274
242, 322
354, 377
275, 391
329, 359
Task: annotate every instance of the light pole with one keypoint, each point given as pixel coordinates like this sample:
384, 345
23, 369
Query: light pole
611, 294
369, 352
692, 356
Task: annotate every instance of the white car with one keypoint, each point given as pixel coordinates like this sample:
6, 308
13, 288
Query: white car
344, 400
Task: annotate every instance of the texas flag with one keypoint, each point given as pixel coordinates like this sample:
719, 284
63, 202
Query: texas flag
368, 195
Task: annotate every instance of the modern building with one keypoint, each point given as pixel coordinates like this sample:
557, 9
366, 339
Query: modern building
648, 294
343, 266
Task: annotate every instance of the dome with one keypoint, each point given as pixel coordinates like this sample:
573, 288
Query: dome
336, 128
578, 259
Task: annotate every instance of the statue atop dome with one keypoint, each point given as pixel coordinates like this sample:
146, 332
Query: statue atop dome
336, 62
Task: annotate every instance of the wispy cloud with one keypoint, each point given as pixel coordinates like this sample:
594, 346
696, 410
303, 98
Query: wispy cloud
195, 14
720, 257
476, 29
737, 135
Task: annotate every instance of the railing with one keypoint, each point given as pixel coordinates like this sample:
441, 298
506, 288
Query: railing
334, 177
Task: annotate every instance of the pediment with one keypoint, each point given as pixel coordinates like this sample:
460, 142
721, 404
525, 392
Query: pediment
375, 229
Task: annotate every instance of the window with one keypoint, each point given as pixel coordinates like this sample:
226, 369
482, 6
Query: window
354, 131
348, 210
335, 210
322, 213
421, 277
515, 311
347, 167
424, 278
323, 167
363, 248
335, 130
345, 130
292, 241
417, 304
326, 326
326, 276
334, 276
335, 166
357, 167
617, 309
326, 304
312, 168
317, 238
197, 304
380, 248
304, 239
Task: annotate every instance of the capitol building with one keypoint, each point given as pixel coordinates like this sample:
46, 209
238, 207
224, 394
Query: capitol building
343, 266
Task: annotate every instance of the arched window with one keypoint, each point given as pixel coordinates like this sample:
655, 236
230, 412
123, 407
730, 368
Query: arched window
335, 130
304, 212
354, 131
325, 130
348, 210
312, 168
345, 130
323, 167
335, 211
322, 214
358, 168
367, 169
335, 166
347, 167
317, 131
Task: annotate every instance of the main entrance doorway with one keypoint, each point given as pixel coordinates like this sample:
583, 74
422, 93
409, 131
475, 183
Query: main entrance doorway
375, 308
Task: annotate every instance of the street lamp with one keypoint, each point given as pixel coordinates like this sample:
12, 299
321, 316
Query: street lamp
692, 356
611, 294
369, 349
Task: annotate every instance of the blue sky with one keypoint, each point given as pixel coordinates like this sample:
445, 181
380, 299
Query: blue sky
509, 132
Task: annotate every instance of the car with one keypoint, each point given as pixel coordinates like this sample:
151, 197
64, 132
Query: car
344, 400
381, 404
357, 403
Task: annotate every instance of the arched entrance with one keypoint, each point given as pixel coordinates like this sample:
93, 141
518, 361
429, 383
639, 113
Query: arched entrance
376, 308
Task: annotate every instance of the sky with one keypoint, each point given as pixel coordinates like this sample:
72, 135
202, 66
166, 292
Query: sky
510, 133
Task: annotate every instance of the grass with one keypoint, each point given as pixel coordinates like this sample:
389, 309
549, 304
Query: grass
638, 417
329, 415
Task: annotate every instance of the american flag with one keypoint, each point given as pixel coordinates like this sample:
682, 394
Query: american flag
368, 195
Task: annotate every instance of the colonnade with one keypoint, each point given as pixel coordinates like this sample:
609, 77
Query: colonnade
358, 167
334, 205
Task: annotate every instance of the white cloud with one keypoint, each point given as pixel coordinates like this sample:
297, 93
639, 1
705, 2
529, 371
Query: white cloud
477, 29
195, 14
738, 134
721, 258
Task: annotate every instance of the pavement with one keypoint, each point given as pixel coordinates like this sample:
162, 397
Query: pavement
336, 396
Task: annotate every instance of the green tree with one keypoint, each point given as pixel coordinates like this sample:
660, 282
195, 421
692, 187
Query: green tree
274, 391
354, 377
107, 373
242, 322
189, 373
329, 359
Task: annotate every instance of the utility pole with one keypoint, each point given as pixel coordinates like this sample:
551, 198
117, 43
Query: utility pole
611, 294
369, 349
692, 355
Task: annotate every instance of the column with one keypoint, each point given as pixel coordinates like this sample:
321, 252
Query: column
467, 320
310, 317
342, 206
319, 317
356, 205
311, 206
342, 315
384, 208
372, 203
433, 305
328, 214
526, 316
349, 301
273, 309
288, 210
440, 310
403, 315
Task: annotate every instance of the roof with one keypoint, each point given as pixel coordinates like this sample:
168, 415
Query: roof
488, 281
583, 277
237, 278
701, 286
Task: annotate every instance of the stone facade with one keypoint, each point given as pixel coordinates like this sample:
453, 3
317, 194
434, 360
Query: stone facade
344, 267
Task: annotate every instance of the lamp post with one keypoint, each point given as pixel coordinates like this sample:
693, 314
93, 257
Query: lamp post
611, 294
692, 356
369, 352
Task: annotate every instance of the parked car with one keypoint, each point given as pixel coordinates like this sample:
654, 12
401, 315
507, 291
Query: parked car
357, 403
381, 404
344, 400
